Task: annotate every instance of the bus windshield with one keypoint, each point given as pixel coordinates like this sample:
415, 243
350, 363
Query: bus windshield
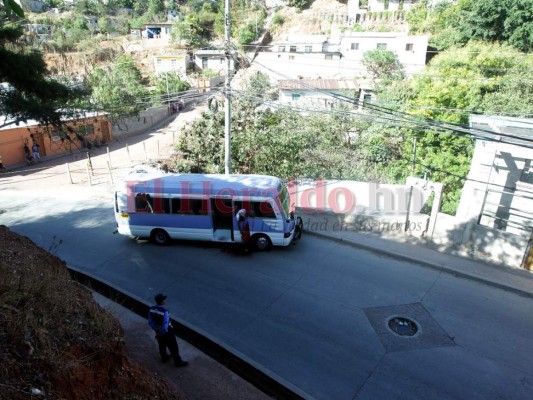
284, 198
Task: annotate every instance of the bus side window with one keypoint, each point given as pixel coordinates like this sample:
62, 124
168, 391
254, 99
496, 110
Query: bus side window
141, 205
263, 209
161, 205
176, 206
199, 206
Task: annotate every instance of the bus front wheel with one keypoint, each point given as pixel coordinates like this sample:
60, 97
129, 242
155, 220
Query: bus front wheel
160, 237
261, 242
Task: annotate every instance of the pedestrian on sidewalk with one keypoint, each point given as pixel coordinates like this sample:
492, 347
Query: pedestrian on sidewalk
27, 154
35, 147
159, 321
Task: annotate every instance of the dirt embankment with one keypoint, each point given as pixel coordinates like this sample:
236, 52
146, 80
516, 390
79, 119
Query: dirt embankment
55, 340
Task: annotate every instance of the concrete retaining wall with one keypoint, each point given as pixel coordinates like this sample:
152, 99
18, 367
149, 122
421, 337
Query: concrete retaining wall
146, 120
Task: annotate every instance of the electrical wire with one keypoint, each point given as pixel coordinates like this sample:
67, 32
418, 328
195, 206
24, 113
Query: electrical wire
475, 132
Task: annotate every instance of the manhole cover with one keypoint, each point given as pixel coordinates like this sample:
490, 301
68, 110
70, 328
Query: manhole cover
403, 326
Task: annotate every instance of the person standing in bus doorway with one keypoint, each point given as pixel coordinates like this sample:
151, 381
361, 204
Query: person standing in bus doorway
159, 321
244, 226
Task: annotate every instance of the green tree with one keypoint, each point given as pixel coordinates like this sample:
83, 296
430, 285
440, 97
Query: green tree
493, 21
28, 92
383, 64
189, 31
169, 84
118, 89
156, 9
480, 77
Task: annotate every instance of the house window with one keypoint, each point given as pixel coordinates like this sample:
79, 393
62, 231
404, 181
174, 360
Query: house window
174, 61
291, 57
292, 49
295, 96
328, 57
281, 49
158, 61
204, 62
382, 46
89, 129
409, 47
354, 46
367, 98
308, 49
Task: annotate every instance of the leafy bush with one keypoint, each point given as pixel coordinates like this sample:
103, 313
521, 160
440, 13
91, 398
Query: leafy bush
246, 36
278, 19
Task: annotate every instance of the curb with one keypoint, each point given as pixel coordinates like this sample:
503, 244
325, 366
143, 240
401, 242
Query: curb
434, 266
269, 383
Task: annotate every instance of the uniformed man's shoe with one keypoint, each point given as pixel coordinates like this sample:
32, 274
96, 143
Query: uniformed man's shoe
181, 364
166, 358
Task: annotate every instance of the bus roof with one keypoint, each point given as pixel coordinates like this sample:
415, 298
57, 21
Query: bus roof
205, 184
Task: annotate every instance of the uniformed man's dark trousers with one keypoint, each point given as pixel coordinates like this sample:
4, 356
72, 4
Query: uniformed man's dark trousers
168, 340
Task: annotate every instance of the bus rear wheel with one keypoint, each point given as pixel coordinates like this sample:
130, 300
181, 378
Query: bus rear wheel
160, 237
261, 242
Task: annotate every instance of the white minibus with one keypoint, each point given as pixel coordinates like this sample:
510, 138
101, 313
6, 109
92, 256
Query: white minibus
163, 206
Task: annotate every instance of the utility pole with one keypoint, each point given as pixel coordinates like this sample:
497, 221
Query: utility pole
227, 102
409, 199
166, 79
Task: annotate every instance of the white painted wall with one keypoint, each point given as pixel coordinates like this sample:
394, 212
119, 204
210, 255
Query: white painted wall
171, 63
329, 63
411, 50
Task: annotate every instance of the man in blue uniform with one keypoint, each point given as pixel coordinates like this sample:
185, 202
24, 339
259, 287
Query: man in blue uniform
159, 321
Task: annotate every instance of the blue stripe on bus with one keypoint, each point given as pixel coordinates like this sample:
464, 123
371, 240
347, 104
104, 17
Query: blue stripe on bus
171, 221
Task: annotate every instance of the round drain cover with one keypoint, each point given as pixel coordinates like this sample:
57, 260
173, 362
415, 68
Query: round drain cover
403, 326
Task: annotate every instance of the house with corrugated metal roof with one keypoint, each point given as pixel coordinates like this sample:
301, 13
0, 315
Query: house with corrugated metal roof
316, 93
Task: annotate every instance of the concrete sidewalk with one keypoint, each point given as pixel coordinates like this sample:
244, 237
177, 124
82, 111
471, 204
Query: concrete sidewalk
202, 379
515, 280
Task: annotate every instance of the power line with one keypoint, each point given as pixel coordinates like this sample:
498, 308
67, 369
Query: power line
416, 119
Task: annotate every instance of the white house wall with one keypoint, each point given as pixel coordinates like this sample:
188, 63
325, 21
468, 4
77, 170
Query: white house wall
175, 63
216, 63
341, 56
411, 50
279, 66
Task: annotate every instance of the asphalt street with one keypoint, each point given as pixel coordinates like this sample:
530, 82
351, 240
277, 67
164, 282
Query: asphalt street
314, 315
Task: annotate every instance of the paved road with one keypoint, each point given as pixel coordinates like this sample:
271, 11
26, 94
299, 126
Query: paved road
314, 315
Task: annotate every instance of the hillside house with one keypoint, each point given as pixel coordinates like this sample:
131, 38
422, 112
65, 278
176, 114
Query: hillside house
381, 5
177, 63
157, 30
212, 59
76, 134
338, 56
410, 50
316, 94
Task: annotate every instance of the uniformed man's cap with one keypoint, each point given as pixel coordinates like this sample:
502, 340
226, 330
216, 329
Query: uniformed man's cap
160, 297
